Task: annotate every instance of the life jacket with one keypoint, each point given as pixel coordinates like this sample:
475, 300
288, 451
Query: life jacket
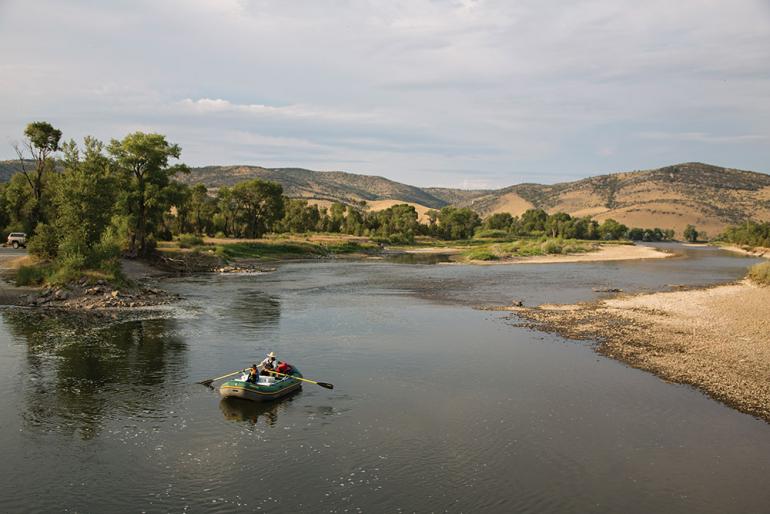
284, 368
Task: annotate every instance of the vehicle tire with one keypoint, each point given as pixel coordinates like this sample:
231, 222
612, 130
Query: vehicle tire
15, 245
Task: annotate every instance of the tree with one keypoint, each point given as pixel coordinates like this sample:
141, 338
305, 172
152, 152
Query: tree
557, 223
457, 223
42, 140
612, 230
84, 200
261, 205
533, 220
298, 216
690, 234
228, 209
498, 221
337, 216
201, 208
143, 160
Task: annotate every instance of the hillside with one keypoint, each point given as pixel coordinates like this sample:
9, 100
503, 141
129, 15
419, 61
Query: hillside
709, 197
321, 185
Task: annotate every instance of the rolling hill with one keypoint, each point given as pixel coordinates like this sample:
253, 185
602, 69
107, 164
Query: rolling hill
709, 197
319, 185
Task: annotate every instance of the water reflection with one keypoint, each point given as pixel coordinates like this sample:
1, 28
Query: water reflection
418, 258
235, 409
81, 372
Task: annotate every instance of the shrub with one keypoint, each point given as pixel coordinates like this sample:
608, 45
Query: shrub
31, 275
481, 254
189, 240
552, 246
220, 235
491, 234
760, 273
45, 242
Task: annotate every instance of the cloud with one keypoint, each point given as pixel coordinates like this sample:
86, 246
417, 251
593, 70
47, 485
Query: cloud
702, 137
509, 91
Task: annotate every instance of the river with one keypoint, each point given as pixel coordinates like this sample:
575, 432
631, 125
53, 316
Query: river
437, 406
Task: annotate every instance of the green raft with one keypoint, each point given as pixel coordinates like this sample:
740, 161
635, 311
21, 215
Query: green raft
266, 389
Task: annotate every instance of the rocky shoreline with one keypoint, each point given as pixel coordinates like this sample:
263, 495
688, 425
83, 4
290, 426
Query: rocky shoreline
715, 339
98, 296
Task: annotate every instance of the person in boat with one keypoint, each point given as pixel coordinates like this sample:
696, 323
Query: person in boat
284, 368
268, 364
253, 374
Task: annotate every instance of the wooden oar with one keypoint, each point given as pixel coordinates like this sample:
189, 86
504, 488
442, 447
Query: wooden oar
210, 380
322, 384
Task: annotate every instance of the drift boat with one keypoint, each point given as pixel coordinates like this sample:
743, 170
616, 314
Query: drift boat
266, 388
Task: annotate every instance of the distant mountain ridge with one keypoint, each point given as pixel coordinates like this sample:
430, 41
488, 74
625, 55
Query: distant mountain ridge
709, 197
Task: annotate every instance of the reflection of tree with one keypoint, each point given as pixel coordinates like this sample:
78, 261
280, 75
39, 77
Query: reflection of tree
235, 409
82, 371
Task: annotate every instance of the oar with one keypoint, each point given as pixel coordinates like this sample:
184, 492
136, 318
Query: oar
210, 380
322, 384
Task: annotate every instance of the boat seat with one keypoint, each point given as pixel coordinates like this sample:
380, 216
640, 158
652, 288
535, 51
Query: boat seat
263, 380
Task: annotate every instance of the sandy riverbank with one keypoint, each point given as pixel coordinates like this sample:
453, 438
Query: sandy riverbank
715, 339
751, 252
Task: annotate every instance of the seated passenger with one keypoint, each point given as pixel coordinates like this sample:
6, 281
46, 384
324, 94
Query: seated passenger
284, 368
253, 374
268, 364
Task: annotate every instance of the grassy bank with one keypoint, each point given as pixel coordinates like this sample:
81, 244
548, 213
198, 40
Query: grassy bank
526, 248
46, 273
495, 245
272, 248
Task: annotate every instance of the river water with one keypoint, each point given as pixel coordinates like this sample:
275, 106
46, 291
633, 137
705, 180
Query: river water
437, 406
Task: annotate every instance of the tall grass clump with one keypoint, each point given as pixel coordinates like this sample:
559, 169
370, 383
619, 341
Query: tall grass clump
760, 273
481, 254
189, 240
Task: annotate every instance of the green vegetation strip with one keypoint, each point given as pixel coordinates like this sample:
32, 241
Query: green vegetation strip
288, 250
528, 248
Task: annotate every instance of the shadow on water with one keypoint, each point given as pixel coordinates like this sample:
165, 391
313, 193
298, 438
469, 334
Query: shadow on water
81, 372
235, 409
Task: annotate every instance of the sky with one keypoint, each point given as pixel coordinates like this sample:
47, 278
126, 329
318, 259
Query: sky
471, 94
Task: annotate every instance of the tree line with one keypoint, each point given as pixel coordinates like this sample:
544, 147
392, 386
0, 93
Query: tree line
84, 204
750, 233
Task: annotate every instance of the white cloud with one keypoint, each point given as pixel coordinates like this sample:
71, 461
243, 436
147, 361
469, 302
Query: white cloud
402, 88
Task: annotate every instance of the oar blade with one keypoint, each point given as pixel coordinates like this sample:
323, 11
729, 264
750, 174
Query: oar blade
207, 383
326, 385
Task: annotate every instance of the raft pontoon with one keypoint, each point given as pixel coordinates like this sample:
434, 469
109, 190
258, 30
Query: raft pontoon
266, 388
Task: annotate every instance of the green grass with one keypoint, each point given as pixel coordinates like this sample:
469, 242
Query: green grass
34, 275
61, 274
491, 234
189, 240
528, 248
480, 254
289, 250
760, 273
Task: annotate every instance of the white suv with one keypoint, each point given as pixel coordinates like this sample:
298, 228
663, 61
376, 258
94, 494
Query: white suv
17, 239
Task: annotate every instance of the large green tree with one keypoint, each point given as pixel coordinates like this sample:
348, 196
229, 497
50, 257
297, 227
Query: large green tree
143, 160
40, 143
84, 199
261, 205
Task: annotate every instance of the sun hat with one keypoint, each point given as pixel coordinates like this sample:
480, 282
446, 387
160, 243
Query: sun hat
271, 354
